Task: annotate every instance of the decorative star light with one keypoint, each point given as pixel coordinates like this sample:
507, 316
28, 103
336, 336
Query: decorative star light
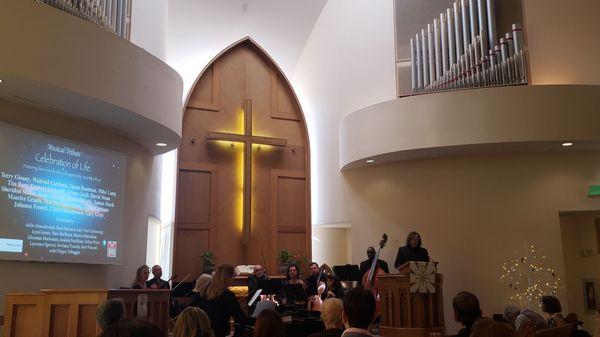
528, 276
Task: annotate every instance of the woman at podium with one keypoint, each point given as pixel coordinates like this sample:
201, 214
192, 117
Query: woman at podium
412, 251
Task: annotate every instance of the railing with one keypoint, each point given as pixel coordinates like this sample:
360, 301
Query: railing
113, 15
461, 50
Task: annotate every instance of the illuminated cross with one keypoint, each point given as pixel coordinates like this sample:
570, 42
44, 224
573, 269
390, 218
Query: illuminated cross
248, 139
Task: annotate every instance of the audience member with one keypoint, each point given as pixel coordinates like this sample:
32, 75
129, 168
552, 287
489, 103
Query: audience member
510, 313
156, 282
538, 321
110, 312
199, 292
221, 304
524, 326
358, 312
192, 322
597, 332
332, 318
551, 306
466, 311
334, 287
141, 276
133, 328
269, 324
485, 327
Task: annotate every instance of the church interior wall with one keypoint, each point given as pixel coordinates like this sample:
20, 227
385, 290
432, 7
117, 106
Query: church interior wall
142, 185
580, 234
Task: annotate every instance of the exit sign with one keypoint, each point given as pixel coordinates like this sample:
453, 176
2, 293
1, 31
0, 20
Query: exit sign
594, 191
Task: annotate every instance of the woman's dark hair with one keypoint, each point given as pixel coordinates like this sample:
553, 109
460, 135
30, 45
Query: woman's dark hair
287, 274
269, 324
359, 307
466, 308
551, 304
410, 235
133, 328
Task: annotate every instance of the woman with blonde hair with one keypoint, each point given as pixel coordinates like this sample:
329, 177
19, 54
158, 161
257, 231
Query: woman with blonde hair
220, 303
141, 276
199, 295
193, 322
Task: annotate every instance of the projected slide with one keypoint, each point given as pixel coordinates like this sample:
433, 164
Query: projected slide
60, 201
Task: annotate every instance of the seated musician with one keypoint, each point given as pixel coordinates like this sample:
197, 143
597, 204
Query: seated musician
314, 280
293, 277
259, 274
334, 287
220, 304
366, 264
412, 251
156, 282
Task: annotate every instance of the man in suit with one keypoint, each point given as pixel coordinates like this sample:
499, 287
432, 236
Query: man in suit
332, 319
358, 312
366, 264
157, 282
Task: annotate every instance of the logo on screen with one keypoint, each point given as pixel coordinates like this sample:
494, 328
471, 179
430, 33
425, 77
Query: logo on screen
111, 249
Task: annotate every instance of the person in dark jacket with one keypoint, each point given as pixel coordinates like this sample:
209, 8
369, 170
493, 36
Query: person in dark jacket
220, 303
466, 311
412, 251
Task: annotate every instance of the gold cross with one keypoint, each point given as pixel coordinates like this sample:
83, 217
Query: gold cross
248, 139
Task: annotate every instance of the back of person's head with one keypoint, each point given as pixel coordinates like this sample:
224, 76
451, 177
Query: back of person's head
466, 308
202, 283
524, 326
486, 327
359, 308
193, 322
551, 305
269, 324
331, 313
538, 321
511, 312
220, 281
133, 328
110, 312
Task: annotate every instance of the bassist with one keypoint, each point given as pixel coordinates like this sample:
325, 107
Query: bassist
366, 264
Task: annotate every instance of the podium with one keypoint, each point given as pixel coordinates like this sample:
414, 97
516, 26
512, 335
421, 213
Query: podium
412, 301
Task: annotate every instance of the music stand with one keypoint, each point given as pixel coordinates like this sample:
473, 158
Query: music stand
295, 293
348, 273
182, 289
270, 286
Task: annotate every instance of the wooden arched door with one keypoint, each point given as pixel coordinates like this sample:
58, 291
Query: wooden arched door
243, 183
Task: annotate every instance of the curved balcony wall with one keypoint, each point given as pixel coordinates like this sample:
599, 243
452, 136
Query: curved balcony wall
522, 118
51, 59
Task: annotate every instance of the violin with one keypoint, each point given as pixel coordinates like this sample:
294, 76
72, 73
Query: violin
369, 280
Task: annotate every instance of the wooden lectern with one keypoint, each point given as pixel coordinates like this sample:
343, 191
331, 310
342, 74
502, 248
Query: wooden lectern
412, 306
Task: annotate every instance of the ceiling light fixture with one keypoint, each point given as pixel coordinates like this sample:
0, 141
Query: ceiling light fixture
161, 144
567, 144
370, 161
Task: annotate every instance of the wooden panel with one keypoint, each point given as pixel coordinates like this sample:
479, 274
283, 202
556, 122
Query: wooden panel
293, 242
291, 202
283, 105
86, 324
193, 191
21, 324
206, 92
191, 243
59, 320
157, 304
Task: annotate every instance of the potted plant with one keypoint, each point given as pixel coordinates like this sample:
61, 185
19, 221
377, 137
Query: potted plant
208, 262
283, 257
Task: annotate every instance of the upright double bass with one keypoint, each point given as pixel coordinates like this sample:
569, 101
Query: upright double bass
369, 280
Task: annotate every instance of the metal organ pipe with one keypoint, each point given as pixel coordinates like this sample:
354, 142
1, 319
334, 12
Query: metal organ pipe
444, 44
431, 54
425, 58
451, 41
438, 48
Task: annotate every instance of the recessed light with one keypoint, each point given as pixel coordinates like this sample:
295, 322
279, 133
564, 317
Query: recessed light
370, 161
161, 144
0, 81
567, 144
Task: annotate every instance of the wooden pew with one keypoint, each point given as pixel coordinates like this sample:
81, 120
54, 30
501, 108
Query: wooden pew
564, 331
72, 313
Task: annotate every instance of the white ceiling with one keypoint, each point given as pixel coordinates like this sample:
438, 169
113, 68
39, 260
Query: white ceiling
197, 30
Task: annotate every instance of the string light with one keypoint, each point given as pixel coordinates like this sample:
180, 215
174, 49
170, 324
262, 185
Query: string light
528, 276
